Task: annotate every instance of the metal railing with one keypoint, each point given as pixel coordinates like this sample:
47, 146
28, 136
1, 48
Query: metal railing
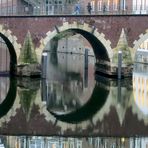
25, 10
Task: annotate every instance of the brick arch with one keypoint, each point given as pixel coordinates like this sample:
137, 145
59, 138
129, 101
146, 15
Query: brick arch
75, 26
137, 43
13, 47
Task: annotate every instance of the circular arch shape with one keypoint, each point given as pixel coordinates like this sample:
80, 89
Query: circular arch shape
88, 110
101, 107
8, 102
83, 29
13, 47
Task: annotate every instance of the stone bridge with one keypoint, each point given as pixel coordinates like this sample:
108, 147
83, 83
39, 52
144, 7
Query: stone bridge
106, 34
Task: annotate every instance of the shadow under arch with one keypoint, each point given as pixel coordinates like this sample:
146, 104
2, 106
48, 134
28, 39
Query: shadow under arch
13, 57
98, 48
8, 102
95, 103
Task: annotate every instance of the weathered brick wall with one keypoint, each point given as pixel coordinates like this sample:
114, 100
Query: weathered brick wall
109, 25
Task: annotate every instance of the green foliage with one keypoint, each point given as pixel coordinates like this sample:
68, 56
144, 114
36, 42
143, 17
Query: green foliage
123, 46
27, 98
28, 54
64, 34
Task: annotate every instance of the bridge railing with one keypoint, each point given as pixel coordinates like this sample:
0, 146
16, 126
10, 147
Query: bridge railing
69, 9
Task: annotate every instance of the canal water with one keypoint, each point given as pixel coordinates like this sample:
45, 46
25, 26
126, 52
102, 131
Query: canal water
74, 108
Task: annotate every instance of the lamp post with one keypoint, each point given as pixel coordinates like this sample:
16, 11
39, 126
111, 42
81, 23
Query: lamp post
119, 63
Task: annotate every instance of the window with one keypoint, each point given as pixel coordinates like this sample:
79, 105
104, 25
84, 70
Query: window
108, 5
100, 5
93, 5
115, 3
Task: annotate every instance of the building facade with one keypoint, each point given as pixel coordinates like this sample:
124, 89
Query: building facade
12, 7
50, 7
111, 6
140, 6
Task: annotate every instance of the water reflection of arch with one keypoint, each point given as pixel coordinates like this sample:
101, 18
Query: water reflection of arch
87, 111
8, 102
97, 115
140, 92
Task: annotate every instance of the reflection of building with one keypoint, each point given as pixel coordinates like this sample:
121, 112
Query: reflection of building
4, 57
59, 142
75, 44
43, 142
140, 87
61, 97
139, 143
65, 76
65, 84
55, 142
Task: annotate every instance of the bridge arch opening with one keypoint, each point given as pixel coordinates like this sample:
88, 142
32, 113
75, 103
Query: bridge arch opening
140, 53
12, 54
99, 50
101, 47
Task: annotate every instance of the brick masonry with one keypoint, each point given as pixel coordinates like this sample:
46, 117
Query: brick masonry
109, 25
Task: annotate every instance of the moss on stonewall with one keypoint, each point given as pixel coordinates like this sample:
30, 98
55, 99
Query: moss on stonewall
28, 54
